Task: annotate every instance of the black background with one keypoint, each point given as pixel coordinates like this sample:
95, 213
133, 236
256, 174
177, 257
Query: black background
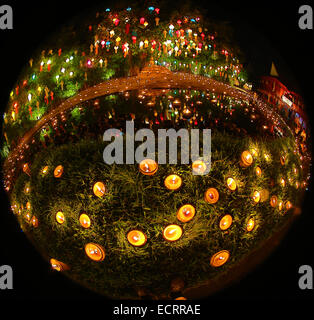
268, 31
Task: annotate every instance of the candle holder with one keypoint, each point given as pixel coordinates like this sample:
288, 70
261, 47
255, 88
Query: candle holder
95, 252
186, 213
148, 167
172, 232
219, 258
136, 238
173, 182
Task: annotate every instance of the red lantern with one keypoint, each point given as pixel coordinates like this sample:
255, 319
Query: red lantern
142, 20
157, 10
134, 39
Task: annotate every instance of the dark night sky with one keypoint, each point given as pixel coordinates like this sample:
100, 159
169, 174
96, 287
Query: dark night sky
267, 31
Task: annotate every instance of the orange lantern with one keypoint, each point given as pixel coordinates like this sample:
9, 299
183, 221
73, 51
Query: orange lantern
211, 195
273, 201
60, 217
181, 298
58, 171
225, 222
44, 170
282, 182
172, 232
246, 159
28, 205
199, 167
258, 171
28, 216
219, 258
256, 196
34, 222
173, 182
250, 225
85, 220
231, 184
148, 167
27, 190
58, 265
186, 213
99, 189
95, 251
136, 238
280, 205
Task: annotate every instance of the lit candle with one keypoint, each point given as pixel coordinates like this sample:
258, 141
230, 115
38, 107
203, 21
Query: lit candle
211, 195
136, 238
34, 222
250, 225
95, 252
28, 206
45, 170
58, 171
256, 196
99, 189
225, 222
280, 205
58, 265
199, 167
219, 258
231, 184
173, 182
85, 220
172, 232
148, 167
273, 201
246, 159
282, 182
186, 213
60, 217
258, 171
288, 205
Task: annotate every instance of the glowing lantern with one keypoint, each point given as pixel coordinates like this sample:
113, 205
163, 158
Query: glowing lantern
282, 160
84, 220
28, 216
28, 206
173, 182
186, 213
27, 190
246, 159
219, 258
282, 182
199, 167
142, 20
211, 195
180, 298
60, 217
256, 196
273, 201
258, 171
136, 238
225, 222
250, 225
231, 184
99, 189
172, 232
148, 167
95, 251
58, 171
58, 265
280, 205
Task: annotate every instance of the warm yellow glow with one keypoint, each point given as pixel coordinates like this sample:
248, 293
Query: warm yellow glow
180, 298
258, 171
148, 167
246, 159
85, 220
34, 222
231, 184
211, 195
60, 217
282, 182
95, 251
45, 170
173, 182
250, 225
280, 205
58, 265
219, 258
199, 166
186, 213
99, 189
288, 205
273, 201
136, 238
254, 152
58, 171
172, 232
256, 196
225, 222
